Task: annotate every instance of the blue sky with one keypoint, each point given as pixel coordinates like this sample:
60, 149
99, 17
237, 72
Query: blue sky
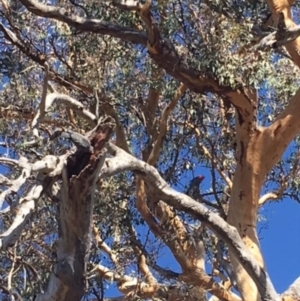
280, 242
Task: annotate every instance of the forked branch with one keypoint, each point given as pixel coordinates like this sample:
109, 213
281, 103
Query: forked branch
159, 189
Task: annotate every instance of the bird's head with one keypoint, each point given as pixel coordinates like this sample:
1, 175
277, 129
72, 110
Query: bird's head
200, 178
197, 180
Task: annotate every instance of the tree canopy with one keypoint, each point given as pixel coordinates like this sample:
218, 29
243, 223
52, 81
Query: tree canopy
112, 114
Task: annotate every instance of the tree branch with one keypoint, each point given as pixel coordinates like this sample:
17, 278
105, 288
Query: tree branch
85, 24
103, 245
161, 50
161, 190
153, 157
25, 210
128, 285
17, 183
293, 292
281, 12
68, 101
280, 133
42, 107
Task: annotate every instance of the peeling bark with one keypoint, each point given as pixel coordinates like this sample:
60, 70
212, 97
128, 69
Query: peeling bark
76, 212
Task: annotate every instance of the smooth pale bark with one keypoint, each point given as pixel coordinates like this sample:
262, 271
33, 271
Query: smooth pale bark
242, 214
259, 149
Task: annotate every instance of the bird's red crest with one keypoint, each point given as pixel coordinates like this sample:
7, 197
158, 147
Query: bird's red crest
200, 178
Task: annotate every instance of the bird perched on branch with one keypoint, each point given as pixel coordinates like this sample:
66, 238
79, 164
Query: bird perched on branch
193, 190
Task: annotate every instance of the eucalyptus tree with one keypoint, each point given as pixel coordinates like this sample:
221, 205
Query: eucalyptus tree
108, 110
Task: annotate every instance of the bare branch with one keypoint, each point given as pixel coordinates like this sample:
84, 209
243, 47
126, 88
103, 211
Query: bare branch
9, 277
127, 4
164, 272
69, 102
9, 35
24, 213
48, 165
103, 246
121, 140
13, 293
43, 102
144, 268
267, 197
226, 265
282, 15
16, 185
127, 284
84, 24
163, 124
209, 155
9, 161
281, 36
45, 86
293, 292
5, 181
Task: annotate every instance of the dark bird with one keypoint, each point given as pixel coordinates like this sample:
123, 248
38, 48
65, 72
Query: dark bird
193, 190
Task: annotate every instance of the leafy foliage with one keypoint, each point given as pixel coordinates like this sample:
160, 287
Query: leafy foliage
216, 36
